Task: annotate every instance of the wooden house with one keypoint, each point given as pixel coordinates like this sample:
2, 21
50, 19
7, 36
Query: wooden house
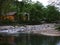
9, 16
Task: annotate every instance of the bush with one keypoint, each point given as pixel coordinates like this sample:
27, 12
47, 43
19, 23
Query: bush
6, 22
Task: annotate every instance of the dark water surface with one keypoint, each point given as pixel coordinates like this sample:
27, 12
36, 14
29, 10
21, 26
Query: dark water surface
33, 39
37, 40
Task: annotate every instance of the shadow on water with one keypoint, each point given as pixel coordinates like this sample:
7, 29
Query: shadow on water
32, 39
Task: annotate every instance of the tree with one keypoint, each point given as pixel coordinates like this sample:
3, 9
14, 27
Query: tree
36, 12
6, 6
52, 14
22, 7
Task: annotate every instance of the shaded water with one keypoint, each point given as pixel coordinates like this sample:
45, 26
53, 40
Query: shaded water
37, 40
33, 39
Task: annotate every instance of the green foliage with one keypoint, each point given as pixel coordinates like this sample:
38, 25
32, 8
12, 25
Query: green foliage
52, 14
6, 6
6, 22
37, 12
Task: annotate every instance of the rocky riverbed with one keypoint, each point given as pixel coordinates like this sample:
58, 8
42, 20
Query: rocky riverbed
44, 29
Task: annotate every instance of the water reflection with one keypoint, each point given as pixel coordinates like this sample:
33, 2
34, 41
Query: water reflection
32, 39
37, 40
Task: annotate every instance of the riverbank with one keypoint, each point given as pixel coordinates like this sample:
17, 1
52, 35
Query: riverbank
44, 29
41, 26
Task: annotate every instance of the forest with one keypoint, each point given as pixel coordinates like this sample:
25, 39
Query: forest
28, 12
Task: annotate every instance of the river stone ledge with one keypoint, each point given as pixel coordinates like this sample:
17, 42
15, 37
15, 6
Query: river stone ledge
43, 29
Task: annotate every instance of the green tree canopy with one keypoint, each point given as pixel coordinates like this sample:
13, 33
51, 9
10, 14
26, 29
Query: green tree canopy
52, 14
6, 6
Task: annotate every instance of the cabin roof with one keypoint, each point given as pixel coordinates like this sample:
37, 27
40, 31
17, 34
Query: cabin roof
11, 13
